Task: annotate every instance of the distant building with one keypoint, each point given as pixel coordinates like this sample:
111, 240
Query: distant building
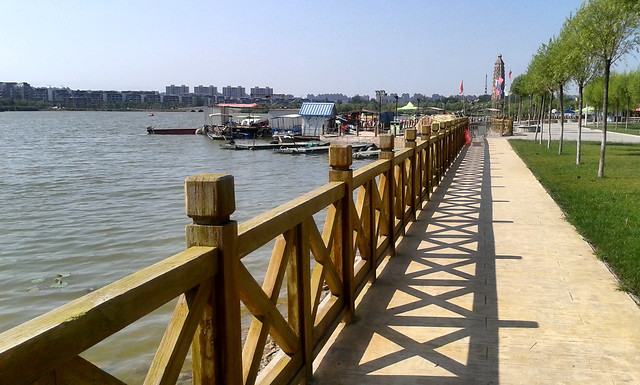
336, 98
171, 99
177, 90
40, 94
59, 94
318, 118
229, 92
261, 92
14, 90
151, 97
132, 96
112, 97
8, 90
205, 91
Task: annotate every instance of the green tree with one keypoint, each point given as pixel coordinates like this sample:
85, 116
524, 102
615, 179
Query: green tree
560, 75
519, 89
581, 62
542, 82
611, 29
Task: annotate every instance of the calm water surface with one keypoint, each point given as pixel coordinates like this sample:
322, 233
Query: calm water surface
87, 198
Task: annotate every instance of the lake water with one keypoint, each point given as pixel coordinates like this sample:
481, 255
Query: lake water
87, 198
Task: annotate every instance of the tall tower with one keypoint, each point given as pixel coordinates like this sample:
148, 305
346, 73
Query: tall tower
497, 93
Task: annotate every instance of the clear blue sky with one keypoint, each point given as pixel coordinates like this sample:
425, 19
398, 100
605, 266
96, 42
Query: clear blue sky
293, 46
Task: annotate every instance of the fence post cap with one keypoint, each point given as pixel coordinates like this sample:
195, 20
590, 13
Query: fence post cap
410, 134
340, 156
210, 198
386, 142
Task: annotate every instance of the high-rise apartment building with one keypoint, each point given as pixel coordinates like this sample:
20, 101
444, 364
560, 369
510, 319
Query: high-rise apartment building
177, 90
229, 92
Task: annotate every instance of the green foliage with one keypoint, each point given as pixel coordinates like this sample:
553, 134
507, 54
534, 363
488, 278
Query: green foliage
519, 86
581, 62
610, 28
21, 105
605, 211
593, 93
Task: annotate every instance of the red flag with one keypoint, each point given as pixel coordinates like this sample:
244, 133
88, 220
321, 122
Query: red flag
509, 74
460, 88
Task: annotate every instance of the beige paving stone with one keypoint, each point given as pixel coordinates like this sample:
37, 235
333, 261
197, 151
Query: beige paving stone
490, 285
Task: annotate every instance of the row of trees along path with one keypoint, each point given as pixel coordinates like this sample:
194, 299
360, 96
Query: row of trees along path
589, 43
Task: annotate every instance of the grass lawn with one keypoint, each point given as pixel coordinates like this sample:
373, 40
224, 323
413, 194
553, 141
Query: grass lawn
605, 211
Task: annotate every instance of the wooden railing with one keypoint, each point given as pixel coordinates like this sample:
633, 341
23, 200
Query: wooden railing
211, 281
503, 126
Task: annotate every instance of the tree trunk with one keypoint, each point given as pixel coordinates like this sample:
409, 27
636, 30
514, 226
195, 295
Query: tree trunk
519, 110
579, 139
538, 117
626, 119
561, 121
605, 107
550, 108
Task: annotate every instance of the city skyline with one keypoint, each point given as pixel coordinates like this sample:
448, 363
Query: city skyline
300, 48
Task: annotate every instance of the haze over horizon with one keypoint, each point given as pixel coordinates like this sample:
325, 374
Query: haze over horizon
294, 47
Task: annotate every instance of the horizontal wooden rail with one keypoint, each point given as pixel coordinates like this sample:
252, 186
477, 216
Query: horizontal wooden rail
369, 172
256, 232
43, 344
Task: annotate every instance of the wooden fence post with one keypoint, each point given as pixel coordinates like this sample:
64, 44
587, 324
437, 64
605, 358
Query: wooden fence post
410, 142
450, 144
435, 132
340, 158
386, 152
425, 131
299, 297
216, 349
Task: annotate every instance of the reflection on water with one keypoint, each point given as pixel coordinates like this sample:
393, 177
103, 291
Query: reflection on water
88, 198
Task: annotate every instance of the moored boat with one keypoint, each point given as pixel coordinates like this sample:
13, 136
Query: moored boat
171, 131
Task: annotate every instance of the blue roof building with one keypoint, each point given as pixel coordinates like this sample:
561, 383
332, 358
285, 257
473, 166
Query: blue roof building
318, 118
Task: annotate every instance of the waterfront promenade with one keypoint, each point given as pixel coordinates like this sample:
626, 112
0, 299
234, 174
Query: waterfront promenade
489, 286
571, 133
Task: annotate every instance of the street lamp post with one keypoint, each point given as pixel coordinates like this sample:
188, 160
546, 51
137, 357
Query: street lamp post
379, 94
396, 116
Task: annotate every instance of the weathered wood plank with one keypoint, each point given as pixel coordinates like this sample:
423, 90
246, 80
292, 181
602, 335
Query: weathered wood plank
402, 155
303, 281
217, 344
261, 306
258, 231
175, 343
321, 255
369, 172
78, 371
32, 349
283, 370
361, 238
259, 329
342, 250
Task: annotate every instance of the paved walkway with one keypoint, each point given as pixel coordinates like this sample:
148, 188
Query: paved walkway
490, 286
571, 133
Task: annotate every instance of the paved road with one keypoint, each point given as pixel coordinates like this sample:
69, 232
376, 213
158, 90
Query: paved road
490, 286
571, 134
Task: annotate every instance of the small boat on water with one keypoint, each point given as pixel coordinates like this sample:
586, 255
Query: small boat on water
322, 147
171, 131
308, 148
261, 145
